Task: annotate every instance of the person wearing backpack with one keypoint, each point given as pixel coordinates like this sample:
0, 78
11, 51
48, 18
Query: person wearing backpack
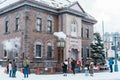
26, 63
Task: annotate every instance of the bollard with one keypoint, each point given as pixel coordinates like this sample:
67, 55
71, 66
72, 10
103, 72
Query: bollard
51, 70
5, 71
38, 71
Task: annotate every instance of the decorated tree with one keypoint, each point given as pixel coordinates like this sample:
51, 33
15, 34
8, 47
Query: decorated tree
97, 52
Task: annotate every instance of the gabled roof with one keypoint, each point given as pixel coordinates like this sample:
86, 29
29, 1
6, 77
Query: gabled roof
76, 6
53, 6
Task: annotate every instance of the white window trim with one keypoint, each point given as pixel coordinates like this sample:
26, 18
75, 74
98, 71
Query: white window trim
38, 15
38, 43
51, 19
17, 16
72, 28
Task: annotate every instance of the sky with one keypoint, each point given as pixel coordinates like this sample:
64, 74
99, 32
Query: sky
107, 11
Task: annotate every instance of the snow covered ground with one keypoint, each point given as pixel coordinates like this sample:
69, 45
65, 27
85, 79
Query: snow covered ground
78, 76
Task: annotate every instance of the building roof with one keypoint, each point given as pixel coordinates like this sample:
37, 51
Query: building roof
55, 6
52, 3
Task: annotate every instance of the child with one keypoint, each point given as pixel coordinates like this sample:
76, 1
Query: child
91, 68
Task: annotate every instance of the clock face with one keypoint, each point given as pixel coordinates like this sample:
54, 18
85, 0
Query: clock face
2, 1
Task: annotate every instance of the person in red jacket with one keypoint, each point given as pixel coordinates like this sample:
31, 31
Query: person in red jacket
79, 64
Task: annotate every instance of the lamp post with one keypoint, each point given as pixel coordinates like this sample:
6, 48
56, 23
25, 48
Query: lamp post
116, 65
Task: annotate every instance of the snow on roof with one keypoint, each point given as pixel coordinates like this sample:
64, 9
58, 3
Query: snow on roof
57, 3
4, 3
60, 35
52, 3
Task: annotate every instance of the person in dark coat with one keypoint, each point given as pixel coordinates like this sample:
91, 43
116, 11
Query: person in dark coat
14, 68
64, 68
111, 62
73, 63
7, 66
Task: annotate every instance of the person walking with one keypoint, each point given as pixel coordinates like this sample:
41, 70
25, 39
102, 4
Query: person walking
91, 70
64, 68
14, 68
10, 69
73, 63
111, 62
79, 64
7, 66
26, 63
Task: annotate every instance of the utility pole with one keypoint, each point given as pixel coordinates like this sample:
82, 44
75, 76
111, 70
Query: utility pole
116, 65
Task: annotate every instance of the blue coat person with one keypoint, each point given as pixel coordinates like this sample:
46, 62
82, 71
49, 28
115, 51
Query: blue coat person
111, 62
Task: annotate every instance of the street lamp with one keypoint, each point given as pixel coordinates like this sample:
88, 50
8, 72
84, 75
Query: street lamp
116, 65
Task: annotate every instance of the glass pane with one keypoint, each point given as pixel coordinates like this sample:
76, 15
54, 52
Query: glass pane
38, 50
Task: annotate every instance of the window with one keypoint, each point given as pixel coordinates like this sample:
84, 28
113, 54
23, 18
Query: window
39, 24
5, 53
6, 26
82, 32
87, 33
82, 52
50, 23
49, 26
16, 54
38, 50
87, 52
49, 52
73, 27
49, 49
17, 24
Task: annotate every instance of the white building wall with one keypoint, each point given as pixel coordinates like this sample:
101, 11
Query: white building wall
72, 41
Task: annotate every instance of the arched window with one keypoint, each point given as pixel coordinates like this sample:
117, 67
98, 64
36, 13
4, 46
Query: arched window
17, 22
38, 22
73, 28
49, 49
5, 53
87, 32
49, 24
7, 25
38, 49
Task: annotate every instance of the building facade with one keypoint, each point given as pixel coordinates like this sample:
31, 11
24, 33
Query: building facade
27, 28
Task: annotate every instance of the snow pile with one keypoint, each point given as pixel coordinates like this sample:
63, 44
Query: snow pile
12, 44
60, 35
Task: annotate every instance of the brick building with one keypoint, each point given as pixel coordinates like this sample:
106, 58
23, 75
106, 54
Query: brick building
27, 28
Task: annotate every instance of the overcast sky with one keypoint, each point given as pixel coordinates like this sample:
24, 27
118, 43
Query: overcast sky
104, 10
